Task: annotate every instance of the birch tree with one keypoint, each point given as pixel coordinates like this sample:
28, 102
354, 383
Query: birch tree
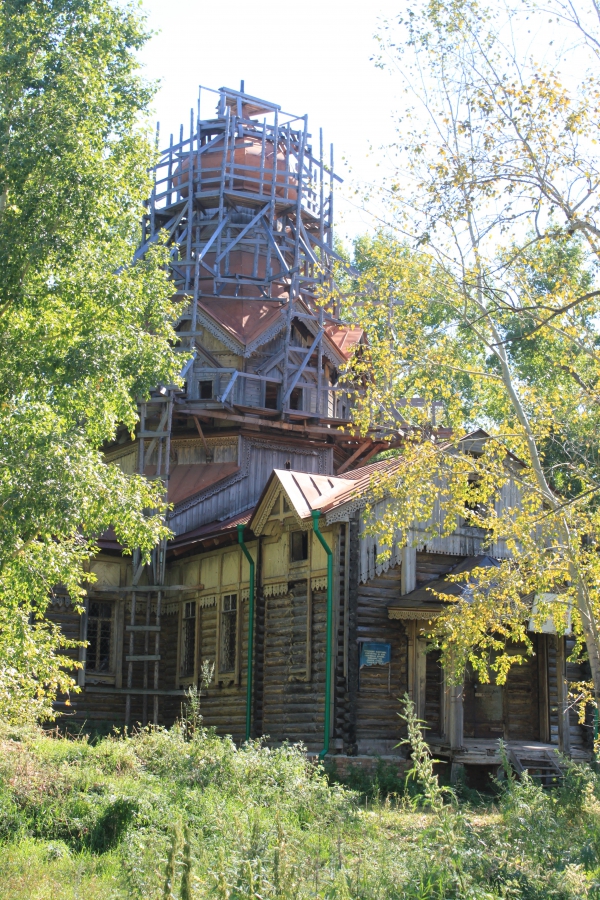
481, 297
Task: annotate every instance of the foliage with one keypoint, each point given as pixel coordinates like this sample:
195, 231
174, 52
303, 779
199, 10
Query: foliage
481, 302
379, 784
422, 764
265, 822
191, 717
84, 332
171, 863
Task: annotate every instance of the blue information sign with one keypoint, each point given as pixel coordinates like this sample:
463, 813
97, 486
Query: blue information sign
375, 654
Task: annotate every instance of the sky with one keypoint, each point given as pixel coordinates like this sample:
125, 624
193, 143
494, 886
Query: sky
311, 57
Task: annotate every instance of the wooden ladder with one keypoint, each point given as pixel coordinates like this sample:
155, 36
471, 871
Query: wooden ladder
147, 599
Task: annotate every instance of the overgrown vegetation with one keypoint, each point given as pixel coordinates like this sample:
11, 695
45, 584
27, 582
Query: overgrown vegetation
182, 813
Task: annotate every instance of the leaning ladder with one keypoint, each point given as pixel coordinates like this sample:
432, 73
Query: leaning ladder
146, 599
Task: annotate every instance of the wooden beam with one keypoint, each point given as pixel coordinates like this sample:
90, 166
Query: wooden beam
302, 366
256, 420
354, 456
377, 448
201, 433
564, 729
543, 692
143, 588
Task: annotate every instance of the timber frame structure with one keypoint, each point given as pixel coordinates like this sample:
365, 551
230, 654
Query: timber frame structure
261, 463
244, 202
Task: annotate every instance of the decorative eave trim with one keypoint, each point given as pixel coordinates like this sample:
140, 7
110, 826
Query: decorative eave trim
414, 614
166, 609
259, 522
220, 334
333, 355
319, 583
279, 589
267, 335
60, 601
346, 511
212, 441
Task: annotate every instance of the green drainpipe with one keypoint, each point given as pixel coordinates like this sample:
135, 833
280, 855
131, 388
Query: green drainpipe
246, 552
328, 551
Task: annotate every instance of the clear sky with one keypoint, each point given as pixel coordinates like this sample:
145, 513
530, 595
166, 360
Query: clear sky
312, 57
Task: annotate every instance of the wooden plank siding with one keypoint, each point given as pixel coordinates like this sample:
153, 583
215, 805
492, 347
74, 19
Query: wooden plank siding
257, 459
290, 654
292, 702
378, 727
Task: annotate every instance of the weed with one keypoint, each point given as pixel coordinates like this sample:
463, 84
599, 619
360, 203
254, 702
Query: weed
101, 820
422, 771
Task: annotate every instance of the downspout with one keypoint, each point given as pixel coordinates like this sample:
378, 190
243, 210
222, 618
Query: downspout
315, 517
246, 552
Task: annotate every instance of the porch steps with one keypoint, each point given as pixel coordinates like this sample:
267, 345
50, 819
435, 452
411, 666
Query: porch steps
542, 766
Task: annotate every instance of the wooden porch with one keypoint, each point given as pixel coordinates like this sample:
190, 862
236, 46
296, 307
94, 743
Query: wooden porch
478, 752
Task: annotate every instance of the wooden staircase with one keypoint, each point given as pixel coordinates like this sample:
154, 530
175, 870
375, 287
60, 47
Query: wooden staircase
542, 766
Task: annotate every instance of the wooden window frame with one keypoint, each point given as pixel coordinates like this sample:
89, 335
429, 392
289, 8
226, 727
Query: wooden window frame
110, 672
229, 676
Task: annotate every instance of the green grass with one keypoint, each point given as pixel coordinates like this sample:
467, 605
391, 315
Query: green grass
82, 819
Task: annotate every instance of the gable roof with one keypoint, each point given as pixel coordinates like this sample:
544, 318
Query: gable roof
306, 492
245, 324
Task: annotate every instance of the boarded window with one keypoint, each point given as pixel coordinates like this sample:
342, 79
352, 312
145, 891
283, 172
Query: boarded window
271, 395
188, 639
228, 633
298, 546
296, 399
205, 389
99, 634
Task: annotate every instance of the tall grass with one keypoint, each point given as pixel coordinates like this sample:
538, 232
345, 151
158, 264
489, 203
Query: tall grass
184, 814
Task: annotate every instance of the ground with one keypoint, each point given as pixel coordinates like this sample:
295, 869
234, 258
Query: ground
82, 818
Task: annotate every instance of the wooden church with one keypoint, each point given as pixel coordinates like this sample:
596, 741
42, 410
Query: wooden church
269, 576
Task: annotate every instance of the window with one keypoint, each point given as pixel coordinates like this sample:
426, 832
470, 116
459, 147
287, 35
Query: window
228, 633
472, 504
298, 546
271, 395
99, 635
205, 389
188, 639
296, 398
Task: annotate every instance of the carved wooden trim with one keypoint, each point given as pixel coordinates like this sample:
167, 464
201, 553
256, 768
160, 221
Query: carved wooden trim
412, 615
279, 589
